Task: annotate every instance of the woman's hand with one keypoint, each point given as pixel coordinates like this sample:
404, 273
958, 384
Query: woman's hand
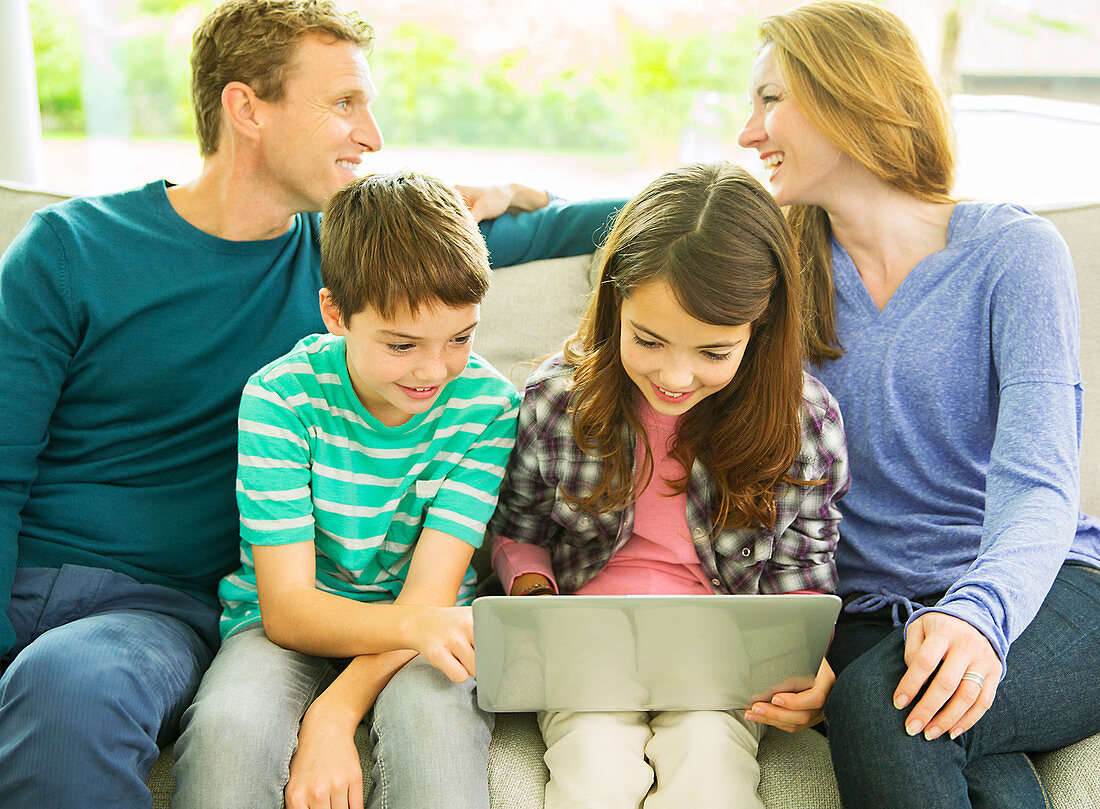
796, 711
952, 703
325, 771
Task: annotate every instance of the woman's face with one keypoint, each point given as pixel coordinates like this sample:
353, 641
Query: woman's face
802, 165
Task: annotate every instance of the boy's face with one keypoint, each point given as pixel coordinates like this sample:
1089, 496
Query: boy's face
398, 366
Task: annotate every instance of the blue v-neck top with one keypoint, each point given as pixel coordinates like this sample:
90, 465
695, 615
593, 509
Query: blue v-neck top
962, 403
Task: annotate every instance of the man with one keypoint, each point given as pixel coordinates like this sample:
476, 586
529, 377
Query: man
128, 326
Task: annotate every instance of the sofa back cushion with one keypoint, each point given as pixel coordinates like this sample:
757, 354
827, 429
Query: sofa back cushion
16, 206
1080, 227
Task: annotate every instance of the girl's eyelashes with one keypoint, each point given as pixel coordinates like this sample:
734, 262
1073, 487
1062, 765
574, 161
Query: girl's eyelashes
400, 348
464, 339
714, 356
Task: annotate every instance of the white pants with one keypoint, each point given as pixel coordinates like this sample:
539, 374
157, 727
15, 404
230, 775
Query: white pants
665, 760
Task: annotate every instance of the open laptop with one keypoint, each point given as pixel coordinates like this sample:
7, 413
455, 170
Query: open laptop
651, 653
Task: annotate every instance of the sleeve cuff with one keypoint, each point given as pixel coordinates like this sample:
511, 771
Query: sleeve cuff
513, 559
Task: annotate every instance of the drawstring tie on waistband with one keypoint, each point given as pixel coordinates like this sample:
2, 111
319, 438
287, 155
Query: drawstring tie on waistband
872, 602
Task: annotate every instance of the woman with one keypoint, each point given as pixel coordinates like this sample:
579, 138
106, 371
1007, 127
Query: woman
948, 332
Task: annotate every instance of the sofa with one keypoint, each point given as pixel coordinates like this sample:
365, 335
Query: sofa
529, 310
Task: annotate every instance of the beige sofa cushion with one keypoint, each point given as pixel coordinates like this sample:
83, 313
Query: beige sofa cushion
1080, 226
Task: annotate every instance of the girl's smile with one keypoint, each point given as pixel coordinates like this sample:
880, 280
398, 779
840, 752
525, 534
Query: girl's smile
675, 359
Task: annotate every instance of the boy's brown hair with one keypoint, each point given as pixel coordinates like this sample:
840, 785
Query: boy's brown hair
254, 42
391, 241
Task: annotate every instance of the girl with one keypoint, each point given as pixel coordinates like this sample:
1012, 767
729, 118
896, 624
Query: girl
677, 447
949, 333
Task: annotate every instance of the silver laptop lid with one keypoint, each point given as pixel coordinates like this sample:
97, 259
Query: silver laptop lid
652, 653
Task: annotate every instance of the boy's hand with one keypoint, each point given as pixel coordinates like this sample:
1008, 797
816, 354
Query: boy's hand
325, 772
791, 712
444, 636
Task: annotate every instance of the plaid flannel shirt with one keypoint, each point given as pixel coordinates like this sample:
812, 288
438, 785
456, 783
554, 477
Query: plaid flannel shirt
796, 554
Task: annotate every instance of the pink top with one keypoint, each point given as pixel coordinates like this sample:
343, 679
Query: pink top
658, 559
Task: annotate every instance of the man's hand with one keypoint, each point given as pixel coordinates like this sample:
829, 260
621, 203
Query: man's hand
444, 636
796, 711
951, 703
490, 201
325, 772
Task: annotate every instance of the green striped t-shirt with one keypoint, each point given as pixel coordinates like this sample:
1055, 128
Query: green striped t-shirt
314, 464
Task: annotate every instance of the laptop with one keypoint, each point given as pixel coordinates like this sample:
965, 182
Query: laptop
647, 653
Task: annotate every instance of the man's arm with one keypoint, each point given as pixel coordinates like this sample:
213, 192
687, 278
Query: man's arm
490, 201
555, 230
37, 342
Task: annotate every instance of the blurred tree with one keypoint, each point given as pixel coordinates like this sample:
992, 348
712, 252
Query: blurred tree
57, 65
662, 76
647, 90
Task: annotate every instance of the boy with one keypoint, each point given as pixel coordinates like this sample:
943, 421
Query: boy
370, 460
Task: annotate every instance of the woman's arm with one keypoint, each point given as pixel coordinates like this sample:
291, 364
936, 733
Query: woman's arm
1032, 486
1031, 517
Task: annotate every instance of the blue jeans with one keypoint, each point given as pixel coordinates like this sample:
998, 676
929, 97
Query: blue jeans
431, 741
1049, 698
102, 668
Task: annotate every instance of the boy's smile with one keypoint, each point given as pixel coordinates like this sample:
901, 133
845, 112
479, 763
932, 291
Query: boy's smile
398, 366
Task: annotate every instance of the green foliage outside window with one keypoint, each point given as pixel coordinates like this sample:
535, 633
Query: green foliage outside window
639, 99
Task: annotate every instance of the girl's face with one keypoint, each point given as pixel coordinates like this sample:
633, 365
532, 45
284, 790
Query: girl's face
675, 360
803, 166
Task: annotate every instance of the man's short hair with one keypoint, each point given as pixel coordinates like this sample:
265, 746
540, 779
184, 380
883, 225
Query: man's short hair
254, 41
395, 242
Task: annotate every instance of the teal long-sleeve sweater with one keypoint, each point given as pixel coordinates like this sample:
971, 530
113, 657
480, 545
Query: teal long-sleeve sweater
126, 336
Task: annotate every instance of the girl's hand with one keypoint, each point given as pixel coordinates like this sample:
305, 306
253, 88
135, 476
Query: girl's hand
531, 583
796, 711
444, 636
325, 771
951, 704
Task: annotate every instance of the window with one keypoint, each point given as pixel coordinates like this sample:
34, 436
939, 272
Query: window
587, 97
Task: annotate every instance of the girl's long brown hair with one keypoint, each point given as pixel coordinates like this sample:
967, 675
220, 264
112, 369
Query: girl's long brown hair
856, 72
719, 241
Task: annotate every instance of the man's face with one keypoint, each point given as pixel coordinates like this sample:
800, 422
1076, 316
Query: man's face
313, 139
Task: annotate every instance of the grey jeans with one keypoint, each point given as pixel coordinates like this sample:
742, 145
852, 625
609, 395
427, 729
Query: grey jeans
431, 741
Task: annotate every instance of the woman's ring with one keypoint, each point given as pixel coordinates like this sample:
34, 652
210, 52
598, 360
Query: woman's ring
974, 677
